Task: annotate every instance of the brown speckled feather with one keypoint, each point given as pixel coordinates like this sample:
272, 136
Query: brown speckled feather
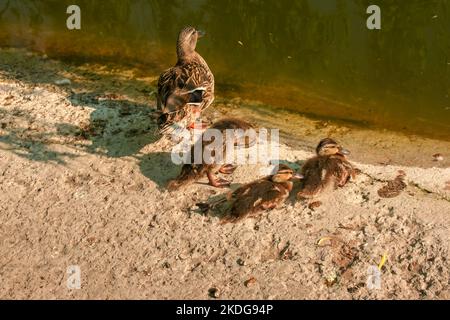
192, 172
255, 197
183, 78
188, 85
322, 172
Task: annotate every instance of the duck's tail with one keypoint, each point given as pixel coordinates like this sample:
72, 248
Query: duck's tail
189, 173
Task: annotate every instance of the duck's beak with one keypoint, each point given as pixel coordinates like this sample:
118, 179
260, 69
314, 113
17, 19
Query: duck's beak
201, 33
344, 152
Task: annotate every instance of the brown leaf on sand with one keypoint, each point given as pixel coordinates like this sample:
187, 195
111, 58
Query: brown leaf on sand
393, 188
345, 256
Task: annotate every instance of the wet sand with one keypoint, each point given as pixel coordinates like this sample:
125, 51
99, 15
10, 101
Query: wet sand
82, 182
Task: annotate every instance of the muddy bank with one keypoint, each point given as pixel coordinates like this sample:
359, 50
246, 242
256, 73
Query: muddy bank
82, 182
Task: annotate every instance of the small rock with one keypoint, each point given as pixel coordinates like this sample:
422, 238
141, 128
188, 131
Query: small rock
214, 293
240, 262
63, 82
250, 282
438, 157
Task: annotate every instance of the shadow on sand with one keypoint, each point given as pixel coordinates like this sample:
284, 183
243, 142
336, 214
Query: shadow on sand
120, 123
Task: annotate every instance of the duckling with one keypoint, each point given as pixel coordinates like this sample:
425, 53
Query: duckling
264, 194
329, 168
192, 172
186, 89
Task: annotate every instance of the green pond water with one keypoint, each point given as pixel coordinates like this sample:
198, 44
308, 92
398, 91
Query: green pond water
314, 57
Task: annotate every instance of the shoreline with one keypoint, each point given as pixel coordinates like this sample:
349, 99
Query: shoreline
83, 183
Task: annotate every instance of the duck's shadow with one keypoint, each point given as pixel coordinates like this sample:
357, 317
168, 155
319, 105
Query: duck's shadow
117, 127
158, 167
215, 206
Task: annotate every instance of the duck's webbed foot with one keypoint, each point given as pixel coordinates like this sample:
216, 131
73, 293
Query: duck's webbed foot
227, 169
344, 178
304, 196
269, 206
202, 126
308, 200
217, 182
355, 172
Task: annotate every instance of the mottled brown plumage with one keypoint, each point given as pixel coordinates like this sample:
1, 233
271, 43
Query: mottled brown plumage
187, 89
264, 194
192, 172
328, 169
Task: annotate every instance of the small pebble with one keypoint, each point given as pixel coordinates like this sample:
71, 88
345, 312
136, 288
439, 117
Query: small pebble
240, 262
63, 82
250, 282
214, 293
438, 157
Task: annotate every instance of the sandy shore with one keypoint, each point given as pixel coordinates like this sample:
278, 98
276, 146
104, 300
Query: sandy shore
82, 179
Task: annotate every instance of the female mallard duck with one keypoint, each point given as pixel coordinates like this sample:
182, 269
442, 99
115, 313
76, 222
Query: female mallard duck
187, 89
194, 171
250, 199
329, 168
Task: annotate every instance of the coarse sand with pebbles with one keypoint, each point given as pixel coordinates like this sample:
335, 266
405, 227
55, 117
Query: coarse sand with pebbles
82, 182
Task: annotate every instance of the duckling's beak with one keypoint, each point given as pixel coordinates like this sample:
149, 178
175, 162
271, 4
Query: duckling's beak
344, 152
298, 176
201, 33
